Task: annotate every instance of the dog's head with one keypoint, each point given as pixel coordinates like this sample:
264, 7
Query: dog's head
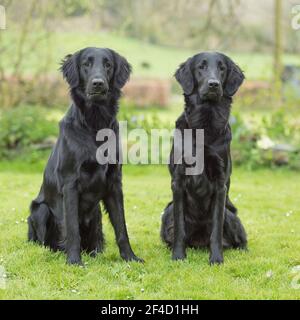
95, 72
211, 75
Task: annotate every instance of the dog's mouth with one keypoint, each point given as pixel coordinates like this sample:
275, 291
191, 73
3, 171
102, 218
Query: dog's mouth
212, 95
97, 95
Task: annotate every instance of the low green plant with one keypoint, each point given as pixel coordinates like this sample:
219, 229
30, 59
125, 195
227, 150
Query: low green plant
272, 140
27, 133
25, 129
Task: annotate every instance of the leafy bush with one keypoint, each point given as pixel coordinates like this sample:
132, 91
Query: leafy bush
272, 141
268, 141
23, 128
136, 120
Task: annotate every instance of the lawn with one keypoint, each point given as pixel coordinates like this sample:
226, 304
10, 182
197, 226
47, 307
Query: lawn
268, 202
162, 61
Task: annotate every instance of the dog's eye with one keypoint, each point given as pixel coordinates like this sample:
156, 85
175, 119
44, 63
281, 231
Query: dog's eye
222, 67
86, 63
203, 65
107, 65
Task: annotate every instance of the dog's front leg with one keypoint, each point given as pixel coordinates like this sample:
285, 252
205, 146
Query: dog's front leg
179, 225
70, 206
216, 239
114, 205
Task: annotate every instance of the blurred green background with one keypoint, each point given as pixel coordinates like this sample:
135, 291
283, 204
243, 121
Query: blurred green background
155, 36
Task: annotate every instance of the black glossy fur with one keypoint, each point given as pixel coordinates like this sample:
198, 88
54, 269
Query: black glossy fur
66, 214
201, 213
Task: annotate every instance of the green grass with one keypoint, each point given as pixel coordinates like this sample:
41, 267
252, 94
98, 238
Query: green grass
163, 60
263, 197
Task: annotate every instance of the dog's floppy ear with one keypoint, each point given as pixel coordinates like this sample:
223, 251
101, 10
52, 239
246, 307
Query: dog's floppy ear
122, 70
185, 77
235, 78
69, 69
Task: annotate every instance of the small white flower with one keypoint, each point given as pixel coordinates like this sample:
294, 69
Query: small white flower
269, 274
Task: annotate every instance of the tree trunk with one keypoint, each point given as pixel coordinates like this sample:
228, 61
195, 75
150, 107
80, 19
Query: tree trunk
278, 67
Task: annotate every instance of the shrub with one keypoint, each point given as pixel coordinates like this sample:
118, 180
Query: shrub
272, 141
23, 128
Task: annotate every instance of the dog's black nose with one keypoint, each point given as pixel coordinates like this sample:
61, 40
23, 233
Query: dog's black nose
214, 84
97, 83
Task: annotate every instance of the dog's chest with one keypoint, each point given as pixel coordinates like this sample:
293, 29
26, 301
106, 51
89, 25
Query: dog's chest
199, 186
93, 178
200, 191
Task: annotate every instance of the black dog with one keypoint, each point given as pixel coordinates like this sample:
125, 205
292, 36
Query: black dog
66, 214
201, 214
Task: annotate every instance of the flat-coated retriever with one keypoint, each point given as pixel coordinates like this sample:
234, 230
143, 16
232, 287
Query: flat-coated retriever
201, 213
66, 214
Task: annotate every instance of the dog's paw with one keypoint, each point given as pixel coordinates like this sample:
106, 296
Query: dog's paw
132, 257
243, 247
178, 255
93, 253
137, 259
75, 260
216, 258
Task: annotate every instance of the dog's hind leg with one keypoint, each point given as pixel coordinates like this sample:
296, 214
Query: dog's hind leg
167, 226
234, 234
92, 239
230, 206
37, 222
